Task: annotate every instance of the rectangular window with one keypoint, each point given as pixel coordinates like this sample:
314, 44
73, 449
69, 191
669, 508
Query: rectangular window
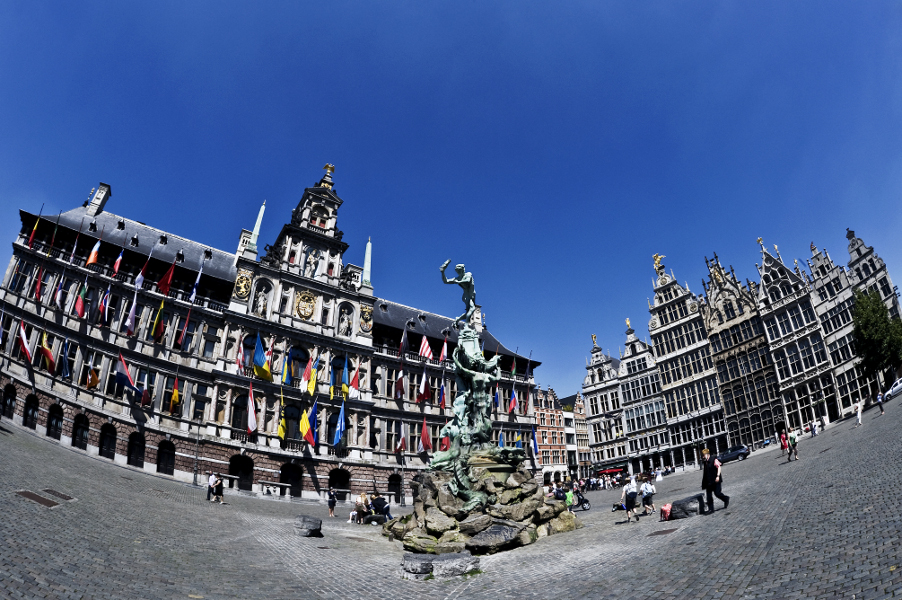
210, 340
785, 327
772, 332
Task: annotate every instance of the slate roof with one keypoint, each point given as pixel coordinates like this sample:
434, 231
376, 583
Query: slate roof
394, 315
221, 265
568, 400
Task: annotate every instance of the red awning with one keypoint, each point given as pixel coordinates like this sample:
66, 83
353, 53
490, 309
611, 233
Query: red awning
606, 471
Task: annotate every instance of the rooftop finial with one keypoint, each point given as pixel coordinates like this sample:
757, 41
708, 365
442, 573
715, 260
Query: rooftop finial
252, 245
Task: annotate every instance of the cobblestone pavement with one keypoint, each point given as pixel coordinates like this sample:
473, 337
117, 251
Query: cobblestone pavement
825, 526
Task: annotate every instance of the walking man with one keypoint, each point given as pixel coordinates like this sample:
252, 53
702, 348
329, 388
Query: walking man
712, 480
793, 445
880, 402
858, 407
211, 486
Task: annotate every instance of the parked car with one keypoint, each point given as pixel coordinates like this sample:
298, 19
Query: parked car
894, 391
734, 453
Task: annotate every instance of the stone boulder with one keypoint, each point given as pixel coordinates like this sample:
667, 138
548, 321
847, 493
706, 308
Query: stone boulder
308, 526
520, 511
528, 535
438, 522
687, 507
449, 504
529, 488
499, 536
549, 509
419, 542
566, 521
474, 524
516, 480
451, 541
452, 565
509, 496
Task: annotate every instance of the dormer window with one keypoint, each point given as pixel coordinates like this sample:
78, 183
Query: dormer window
180, 257
163, 240
208, 254
134, 241
92, 226
318, 217
120, 225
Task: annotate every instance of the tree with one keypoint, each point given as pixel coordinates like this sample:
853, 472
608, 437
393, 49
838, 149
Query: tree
878, 339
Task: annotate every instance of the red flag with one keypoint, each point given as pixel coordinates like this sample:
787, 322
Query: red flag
251, 412
425, 442
354, 392
401, 445
445, 443
31, 237
23, 341
425, 349
163, 284
37, 285
80, 300
117, 263
425, 391
444, 355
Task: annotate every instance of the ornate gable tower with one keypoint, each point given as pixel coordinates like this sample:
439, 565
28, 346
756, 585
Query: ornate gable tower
680, 340
795, 338
601, 393
745, 373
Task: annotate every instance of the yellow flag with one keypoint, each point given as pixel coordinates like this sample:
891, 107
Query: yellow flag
283, 425
175, 396
93, 380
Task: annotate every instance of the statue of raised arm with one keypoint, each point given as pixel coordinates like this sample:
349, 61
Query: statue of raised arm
465, 281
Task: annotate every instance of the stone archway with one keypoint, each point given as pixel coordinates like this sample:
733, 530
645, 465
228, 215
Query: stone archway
166, 457
9, 401
55, 422
30, 415
242, 467
394, 487
80, 429
293, 475
340, 481
108, 441
136, 447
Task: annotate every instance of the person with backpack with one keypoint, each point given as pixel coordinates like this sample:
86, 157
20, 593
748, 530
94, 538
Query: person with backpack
712, 480
559, 493
628, 499
793, 445
648, 493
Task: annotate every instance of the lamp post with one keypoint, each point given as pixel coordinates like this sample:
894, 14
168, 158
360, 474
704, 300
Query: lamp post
196, 444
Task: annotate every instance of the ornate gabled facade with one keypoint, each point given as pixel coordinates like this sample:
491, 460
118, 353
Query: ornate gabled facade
679, 336
795, 338
71, 286
752, 407
644, 417
550, 437
604, 415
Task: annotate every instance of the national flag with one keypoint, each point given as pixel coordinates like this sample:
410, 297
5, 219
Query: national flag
497, 400
306, 430
425, 349
23, 341
185, 328
482, 349
139, 278
401, 444
445, 443
117, 263
535, 442
93, 380
35, 228
102, 308
425, 443
332, 382
399, 384
514, 367
251, 411
123, 377
145, 393
239, 359
513, 403
425, 392
501, 439
48, 354
58, 294
130, 322
174, 402
518, 441
193, 295
75, 245
80, 300
339, 426
159, 324
344, 379
53, 237
286, 369
314, 422
37, 285
354, 392
261, 361
94, 254
305, 378
444, 355
441, 395
311, 383
283, 424
64, 360
165, 283
402, 348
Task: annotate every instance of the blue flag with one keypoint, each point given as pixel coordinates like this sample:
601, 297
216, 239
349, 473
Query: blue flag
344, 379
332, 382
501, 440
535, 443
313, 422
64, 359
496, 396
286, 369
340, 426
261, 366
519, 440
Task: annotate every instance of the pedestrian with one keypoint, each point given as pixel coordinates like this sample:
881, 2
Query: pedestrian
783, 445
648, 494
217, 494
332, 500
211, 486
880, 403
380, 506
813, 428
569, 498
712, 479
793, 445
628, 499
858, 408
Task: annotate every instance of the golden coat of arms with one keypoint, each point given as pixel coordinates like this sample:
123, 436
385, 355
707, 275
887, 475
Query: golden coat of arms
304, 304
366, 319
243, 284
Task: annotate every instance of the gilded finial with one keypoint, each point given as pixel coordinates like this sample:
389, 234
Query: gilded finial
330, 168
594, 343
628, 326
760, 242
659, 268
777, 250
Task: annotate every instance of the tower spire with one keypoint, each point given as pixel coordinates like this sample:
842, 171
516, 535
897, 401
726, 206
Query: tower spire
367, 262
252, 245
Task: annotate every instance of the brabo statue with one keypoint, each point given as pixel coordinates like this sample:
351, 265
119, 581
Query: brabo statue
470, 431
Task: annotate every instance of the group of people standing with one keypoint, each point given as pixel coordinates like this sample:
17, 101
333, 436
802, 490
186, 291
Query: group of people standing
630, 494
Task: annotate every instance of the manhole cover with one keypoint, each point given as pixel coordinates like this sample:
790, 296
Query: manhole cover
662, 532
59, 495
39, 499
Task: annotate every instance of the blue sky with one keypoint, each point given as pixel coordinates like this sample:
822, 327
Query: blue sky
551, 147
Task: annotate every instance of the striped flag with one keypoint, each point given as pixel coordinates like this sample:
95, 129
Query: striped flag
64, 360
130, 322
23, 341
444, 355
37, 285
239, 359
513, 403
251, 411
93, 255
48, 354
123, 377
441, 395
354, 391
80, 300
306, 429
425, 349
58, 295
425, 392
425, 443
535, 443
117, 263
35, 228
139, 278
401, 444
305, 378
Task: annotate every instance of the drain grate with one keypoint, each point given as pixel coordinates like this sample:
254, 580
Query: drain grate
59, 495
662, 532
39, 499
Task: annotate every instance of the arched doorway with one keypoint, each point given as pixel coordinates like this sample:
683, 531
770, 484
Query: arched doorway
394, 487
136, 449
80, 429
242, 467
30, 416
9, 401
55, 422
293, 475
108, 441
546, 478
166, 457
340, 481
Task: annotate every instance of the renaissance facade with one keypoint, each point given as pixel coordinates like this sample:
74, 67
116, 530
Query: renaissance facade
741, 363
93, 294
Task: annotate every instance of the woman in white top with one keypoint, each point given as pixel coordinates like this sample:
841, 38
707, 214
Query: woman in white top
628, 499
648, 492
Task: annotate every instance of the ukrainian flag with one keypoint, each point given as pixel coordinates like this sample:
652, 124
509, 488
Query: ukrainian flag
261, 361
311, 385
518, 441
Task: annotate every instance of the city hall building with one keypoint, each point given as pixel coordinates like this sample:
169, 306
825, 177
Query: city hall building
92, 295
